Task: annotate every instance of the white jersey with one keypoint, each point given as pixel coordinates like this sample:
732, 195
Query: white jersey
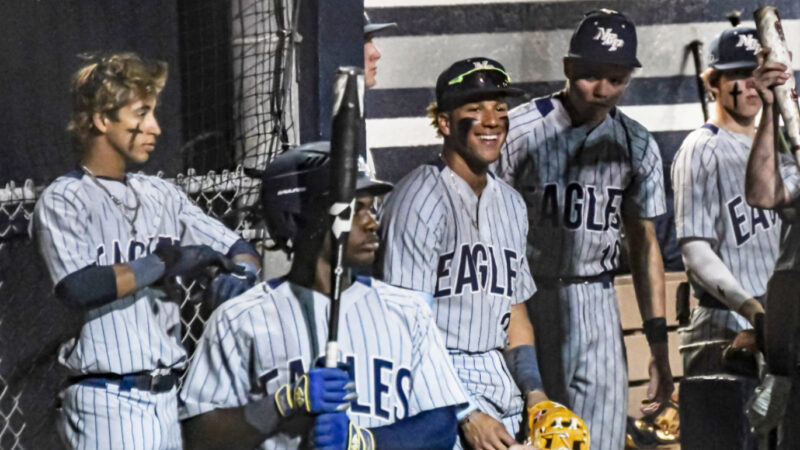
708, 175
469, 253
270, 335
77, 224
789, 258
577, 183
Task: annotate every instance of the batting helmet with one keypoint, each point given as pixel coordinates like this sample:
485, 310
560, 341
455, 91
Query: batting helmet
554, 427
294, 189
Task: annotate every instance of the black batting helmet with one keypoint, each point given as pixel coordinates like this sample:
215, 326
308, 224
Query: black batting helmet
294, 190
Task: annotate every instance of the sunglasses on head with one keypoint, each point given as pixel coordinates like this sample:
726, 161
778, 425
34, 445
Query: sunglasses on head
499, 77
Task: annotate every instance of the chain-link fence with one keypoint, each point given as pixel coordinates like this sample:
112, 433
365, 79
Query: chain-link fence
236, 114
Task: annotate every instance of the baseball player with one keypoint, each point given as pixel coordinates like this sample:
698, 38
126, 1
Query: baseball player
108, 237
454, 230
371, 52
773, 182
728, 247
584, 170
262, 345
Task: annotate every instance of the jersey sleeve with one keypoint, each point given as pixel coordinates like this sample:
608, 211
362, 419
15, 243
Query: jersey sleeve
218, 376
434, 383
790, 174
60, 223
513, 153
644, 197
410, 241
694, 181
198, 228
525, 287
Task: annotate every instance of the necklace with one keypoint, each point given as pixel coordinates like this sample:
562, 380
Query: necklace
120, 204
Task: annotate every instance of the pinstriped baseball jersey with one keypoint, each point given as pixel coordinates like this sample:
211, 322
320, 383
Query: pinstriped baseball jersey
268, 336
789, 258
577, 183
77, 224
468, 252
708, 177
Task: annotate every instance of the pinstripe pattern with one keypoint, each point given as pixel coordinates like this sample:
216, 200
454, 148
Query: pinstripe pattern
708, 177
259, 341
469, 253
120, 419
76, 224
577, 183
789, 258
581, 356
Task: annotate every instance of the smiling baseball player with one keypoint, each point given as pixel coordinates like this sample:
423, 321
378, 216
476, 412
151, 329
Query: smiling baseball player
108, 238
259, 351
455, 231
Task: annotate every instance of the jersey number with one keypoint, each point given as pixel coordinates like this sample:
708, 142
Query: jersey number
606, 262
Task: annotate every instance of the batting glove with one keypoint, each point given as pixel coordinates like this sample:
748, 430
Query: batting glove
334, 431
322, 390
228, 285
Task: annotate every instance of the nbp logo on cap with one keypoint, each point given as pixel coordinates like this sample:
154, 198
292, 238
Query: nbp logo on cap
605, 36
735, 48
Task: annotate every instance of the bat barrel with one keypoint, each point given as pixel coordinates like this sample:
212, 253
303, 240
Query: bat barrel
346, 128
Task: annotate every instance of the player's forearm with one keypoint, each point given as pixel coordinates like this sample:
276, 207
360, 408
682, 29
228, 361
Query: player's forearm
707, 269
432, 429
647, 268
763, 183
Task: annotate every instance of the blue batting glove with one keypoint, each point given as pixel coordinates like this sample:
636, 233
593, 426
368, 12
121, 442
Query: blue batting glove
228, 285
324, 390
334, 431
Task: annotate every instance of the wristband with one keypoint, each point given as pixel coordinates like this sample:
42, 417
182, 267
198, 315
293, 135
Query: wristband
521, 362
655, 329
263, 415
147, 270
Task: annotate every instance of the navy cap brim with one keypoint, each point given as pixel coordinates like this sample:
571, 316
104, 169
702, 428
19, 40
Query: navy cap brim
372, 187
735, 65
373, 28
627, 63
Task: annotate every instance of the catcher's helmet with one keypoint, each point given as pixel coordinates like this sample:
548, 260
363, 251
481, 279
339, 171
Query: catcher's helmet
554, 427
294, 189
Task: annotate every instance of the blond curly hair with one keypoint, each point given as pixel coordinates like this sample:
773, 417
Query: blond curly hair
107, 84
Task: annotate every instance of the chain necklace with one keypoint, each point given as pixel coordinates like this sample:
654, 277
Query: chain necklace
120, 204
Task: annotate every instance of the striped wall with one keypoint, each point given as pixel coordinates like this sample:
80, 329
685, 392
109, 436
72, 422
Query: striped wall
530, 38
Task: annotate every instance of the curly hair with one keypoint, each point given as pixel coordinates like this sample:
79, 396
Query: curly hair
433, 114
107, 84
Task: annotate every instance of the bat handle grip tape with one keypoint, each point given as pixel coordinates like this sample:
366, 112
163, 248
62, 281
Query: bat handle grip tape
331, 354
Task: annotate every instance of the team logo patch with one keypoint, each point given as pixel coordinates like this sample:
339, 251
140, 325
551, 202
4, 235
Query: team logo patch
482, 65
608, 38
749, 42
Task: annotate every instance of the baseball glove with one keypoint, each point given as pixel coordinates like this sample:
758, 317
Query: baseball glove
554, 427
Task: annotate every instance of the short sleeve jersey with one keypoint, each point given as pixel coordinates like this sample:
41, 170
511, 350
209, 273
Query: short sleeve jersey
76, 224
271, 334
468, 252
577, 183
708, 175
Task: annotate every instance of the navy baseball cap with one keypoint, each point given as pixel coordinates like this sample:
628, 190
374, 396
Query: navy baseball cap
472, 80
371, 28
605, 36
735, 48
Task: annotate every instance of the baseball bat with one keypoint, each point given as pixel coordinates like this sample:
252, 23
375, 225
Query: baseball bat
771, 35
694, 47
348, 116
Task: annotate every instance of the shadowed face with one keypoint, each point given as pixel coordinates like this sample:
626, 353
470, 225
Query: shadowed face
134, 131
476, 131
595, 88
363, 240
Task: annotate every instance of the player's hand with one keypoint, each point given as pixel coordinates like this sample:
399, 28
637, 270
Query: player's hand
534, 397
188, 262
228, 285
660, 388
484, 432
334, 431
324, 390
740, 356
767, 75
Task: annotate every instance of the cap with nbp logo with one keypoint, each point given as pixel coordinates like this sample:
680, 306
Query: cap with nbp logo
605, 36
735, 48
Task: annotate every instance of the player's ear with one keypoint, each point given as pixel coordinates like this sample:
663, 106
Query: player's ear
568, 68
100, 121
443, 120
